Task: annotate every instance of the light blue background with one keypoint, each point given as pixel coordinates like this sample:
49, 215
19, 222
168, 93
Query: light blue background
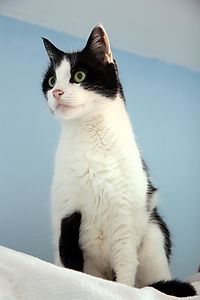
164, 106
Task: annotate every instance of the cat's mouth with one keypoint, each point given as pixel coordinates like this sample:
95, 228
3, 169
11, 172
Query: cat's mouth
66, 107
62, 106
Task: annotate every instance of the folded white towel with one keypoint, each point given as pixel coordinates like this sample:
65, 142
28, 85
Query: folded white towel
195, 281
23, 277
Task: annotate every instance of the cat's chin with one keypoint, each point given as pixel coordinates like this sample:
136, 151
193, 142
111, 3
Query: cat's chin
64, 112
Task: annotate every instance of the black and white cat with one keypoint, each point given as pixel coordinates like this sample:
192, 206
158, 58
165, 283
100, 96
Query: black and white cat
104, 214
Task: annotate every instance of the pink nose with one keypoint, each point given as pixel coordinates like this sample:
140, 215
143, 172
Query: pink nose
57, 93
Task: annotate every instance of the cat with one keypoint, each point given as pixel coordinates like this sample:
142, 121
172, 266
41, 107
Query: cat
104, 206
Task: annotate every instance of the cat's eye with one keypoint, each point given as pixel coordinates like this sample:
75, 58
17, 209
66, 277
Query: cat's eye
52, 81
79, 76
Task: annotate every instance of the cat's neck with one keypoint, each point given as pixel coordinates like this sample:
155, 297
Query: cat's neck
106, 133
103, 127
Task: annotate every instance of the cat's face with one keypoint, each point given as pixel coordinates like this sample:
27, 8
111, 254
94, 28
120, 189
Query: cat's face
82, 83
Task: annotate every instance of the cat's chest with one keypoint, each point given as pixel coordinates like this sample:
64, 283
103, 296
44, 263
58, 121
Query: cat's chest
93, 171
88, 178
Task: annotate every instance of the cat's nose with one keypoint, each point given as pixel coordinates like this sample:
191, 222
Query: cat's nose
57, 93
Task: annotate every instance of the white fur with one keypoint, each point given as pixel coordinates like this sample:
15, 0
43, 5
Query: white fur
153, 263
98, 171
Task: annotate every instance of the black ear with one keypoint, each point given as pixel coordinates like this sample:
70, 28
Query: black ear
99, 46
54, 53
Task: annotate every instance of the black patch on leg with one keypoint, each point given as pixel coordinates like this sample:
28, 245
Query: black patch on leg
156, 218
175, 288
71, 254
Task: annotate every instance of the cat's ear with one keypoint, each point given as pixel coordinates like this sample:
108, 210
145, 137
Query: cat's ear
98, 44
54, 53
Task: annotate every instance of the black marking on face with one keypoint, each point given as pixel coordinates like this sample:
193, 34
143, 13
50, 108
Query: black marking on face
100, 78
101, 75
45, 84
55, 56
156, 218
175, 288
71, 254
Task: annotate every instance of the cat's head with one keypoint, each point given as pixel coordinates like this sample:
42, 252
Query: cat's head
81, 83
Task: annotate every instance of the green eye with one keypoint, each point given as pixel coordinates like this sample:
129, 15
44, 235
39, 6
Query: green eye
79, 76
52, 81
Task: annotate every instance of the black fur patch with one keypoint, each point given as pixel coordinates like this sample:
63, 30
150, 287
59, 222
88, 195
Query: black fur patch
49, 73
156, 218
55, 54
102, 77
71, 254
150, 188
175, 288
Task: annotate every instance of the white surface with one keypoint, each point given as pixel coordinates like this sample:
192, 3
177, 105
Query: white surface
27, 278
168, 30
195, 280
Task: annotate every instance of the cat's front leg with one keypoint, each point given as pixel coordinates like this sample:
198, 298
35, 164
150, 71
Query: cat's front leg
71, 254
126, 239
125, 260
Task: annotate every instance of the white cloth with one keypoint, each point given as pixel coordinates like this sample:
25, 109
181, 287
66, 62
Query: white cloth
23, 277
195, 281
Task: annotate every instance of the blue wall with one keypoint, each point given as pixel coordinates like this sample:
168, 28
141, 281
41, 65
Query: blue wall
164, 105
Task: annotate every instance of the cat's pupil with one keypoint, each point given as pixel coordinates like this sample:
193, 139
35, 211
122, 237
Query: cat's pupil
79, 75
